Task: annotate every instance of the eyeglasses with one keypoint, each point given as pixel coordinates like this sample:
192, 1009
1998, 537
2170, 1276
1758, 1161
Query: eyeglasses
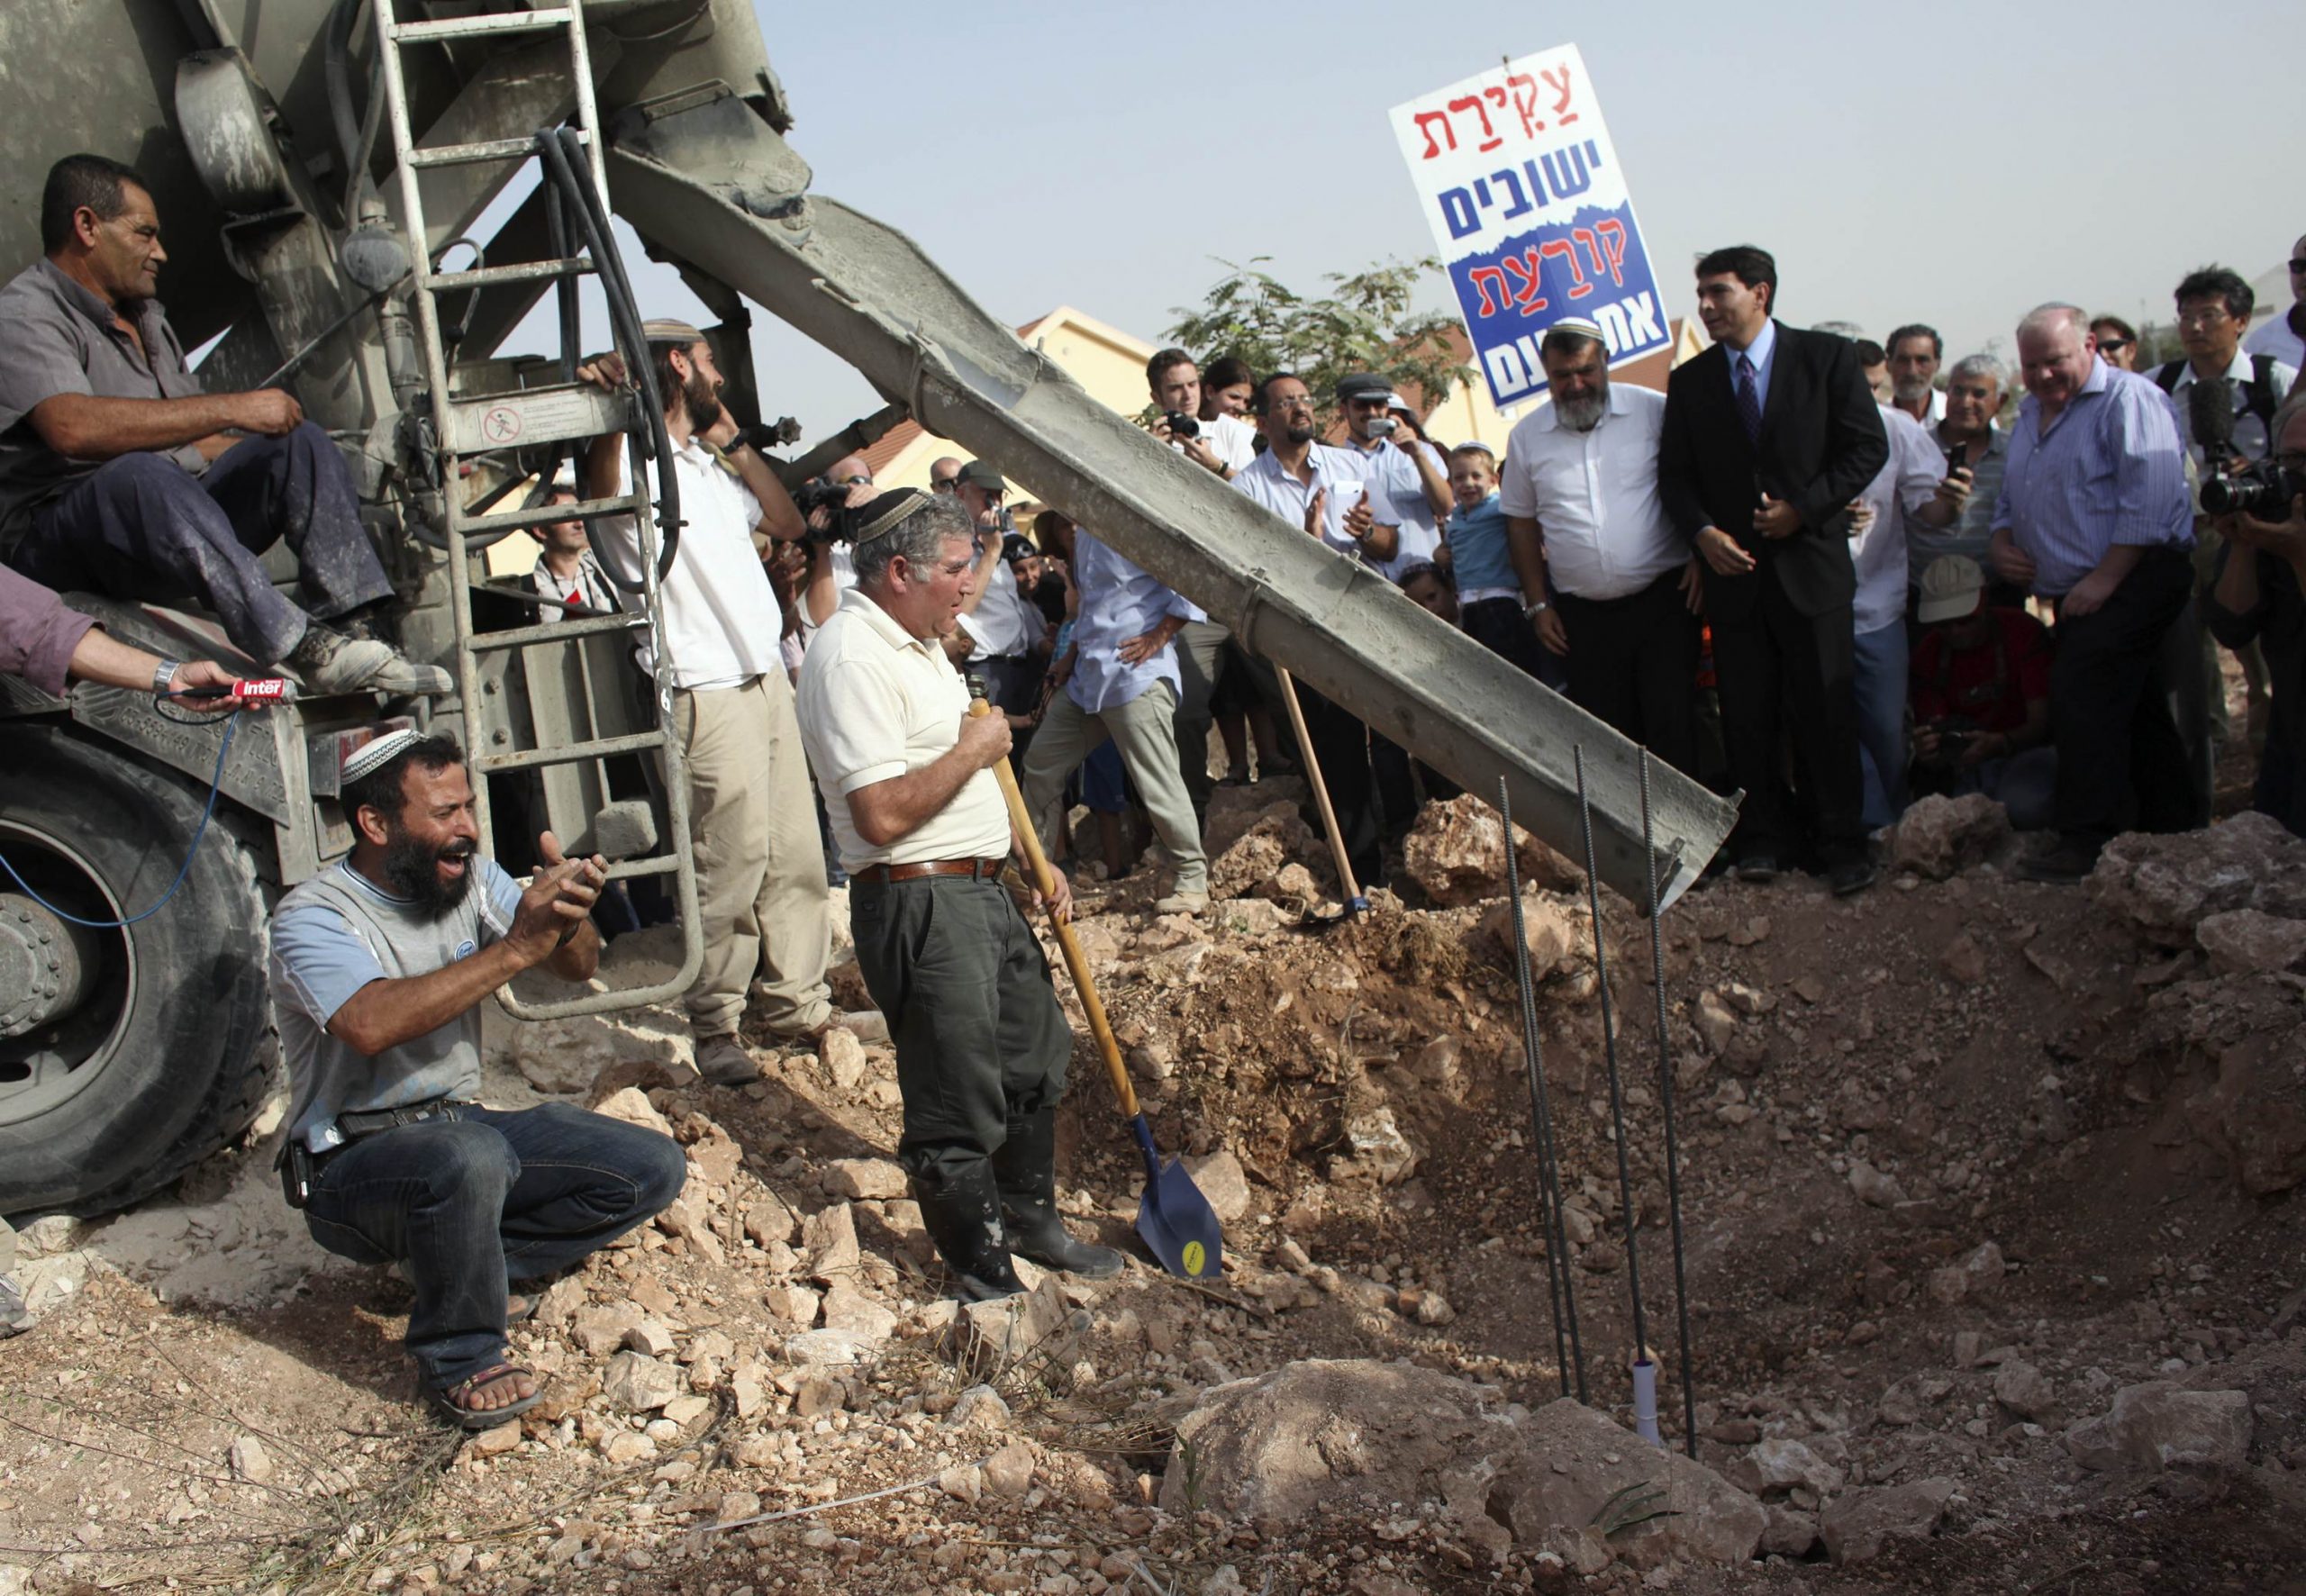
2204, 316
2298, 267
943, 484
2110, 346
1290, 401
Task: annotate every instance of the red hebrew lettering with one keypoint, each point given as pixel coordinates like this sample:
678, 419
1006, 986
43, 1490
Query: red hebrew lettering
1473, 103
1604, 260
1558, 80
1613, 242
1432, 149
1525, 103
1579, 286
1530, 297
1482, 276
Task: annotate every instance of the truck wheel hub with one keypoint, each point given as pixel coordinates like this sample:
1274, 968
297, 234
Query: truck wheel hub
46, 963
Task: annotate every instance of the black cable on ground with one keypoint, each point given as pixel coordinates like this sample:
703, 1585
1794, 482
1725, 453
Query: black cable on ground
1665, 1101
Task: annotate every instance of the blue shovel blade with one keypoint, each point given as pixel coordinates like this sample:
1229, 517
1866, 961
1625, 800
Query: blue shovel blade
1174, 1217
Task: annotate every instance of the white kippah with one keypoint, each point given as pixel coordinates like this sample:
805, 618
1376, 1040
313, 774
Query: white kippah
378, 752
1579, 325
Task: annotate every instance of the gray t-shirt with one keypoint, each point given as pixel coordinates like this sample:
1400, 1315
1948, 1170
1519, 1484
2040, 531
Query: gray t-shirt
60, 339
332, 936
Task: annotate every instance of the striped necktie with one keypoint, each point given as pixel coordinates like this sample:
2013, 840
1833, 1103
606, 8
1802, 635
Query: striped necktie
1749, 399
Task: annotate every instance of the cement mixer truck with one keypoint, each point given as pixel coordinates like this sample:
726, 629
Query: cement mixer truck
322, 169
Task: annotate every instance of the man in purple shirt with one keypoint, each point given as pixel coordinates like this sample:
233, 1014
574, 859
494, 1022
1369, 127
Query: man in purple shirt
2095, 516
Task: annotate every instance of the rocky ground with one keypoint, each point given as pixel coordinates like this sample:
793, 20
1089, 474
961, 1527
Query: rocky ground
1993, 1238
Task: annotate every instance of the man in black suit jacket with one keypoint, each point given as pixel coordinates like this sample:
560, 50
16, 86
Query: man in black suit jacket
1768, 436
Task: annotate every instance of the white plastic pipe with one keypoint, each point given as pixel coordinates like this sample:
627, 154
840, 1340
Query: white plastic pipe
1645, 1399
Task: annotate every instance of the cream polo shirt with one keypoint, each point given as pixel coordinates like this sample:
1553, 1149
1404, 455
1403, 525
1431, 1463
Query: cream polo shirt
876, 703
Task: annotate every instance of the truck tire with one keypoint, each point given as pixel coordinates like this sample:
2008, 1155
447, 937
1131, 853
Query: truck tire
169, 1050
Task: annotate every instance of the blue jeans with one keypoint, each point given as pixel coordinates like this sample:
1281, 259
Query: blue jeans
481, 1197
1880, 685
141, 527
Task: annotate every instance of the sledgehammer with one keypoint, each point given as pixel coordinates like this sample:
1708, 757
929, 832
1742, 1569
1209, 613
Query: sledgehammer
1173, 1216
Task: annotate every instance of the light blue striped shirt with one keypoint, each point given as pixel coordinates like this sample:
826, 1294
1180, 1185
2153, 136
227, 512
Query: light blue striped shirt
1118, 602
2108, 471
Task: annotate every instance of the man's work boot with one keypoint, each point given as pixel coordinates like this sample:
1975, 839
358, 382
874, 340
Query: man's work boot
726, 1061
1182, 902
1026, 1166
962, 1214
327, 661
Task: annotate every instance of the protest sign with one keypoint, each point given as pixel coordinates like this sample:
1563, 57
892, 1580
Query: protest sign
1517, 176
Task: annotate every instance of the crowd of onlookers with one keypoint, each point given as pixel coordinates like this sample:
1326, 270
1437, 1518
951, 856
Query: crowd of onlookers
1833, 573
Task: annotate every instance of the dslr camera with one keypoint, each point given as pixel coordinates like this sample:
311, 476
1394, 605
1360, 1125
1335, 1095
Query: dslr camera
1181, 425
2263, 489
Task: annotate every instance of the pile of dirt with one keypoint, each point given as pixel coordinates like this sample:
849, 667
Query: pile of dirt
1990, 1232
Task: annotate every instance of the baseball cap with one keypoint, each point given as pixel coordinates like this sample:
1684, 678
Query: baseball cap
983, 476
1366, 385
1951, 587
1016, 547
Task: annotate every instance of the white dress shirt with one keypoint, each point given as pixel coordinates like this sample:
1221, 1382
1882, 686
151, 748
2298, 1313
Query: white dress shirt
723, 625
1905, 483
1230, 439
1344, 474
1594, 495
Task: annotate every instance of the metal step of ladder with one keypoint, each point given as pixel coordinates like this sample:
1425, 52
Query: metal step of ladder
465, 425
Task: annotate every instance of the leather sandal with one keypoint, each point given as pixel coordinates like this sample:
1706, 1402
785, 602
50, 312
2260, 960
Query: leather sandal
450, 1401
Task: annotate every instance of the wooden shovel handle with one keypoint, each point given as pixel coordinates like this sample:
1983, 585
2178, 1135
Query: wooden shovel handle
1352, 888
1075, 961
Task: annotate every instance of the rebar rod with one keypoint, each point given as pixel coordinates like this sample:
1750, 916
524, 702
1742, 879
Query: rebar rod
1558, 1280
1672, 1147
1610, 1054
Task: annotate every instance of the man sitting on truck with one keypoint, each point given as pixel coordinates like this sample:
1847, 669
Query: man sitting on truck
118, 475
380, 968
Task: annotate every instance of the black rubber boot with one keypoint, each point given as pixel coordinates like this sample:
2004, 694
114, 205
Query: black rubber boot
1026, 1166
962, 1214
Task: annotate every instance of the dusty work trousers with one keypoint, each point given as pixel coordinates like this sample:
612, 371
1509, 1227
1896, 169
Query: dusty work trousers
143, 527
760, 874
981, 1041
1144, 729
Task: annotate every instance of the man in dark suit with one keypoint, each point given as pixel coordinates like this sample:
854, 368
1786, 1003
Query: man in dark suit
1768, 436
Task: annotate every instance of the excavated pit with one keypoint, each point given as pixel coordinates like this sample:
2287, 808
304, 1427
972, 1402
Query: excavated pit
1962, 1161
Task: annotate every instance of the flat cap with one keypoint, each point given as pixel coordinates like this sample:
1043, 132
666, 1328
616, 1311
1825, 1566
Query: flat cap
985, 476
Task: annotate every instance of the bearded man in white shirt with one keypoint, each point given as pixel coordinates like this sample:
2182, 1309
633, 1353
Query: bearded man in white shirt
760, 878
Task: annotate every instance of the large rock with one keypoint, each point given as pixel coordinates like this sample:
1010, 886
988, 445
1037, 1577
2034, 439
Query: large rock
2257, 1111
1358, 1438
564, 1057
2158, 1425
2249, 940
1558, 925
1276, 839
1856, 1526
1780, 1464
829, 1237
632, 1106
1221, 1179
2166, 886
638, 1383
1457, 855
1938, 836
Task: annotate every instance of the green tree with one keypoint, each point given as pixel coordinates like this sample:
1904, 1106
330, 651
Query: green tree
1364, 323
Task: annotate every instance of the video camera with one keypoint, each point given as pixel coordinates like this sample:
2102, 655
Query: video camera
823, 493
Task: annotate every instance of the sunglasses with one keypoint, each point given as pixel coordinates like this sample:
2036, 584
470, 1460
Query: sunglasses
2298, 267
2113, 345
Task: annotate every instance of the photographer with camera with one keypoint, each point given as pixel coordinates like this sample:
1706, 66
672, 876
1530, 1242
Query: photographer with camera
2257, 599
1981, 695
825, 503
1395, 457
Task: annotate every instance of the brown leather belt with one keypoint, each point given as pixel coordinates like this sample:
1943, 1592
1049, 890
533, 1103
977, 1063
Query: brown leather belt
975, 869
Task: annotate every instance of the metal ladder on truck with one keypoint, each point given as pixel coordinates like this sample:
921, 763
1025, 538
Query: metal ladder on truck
561, 415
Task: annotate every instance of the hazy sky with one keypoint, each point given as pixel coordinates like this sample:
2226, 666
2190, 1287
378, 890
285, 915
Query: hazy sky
1955, 163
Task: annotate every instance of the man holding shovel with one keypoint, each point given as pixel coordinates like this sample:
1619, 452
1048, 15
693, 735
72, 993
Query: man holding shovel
943, 944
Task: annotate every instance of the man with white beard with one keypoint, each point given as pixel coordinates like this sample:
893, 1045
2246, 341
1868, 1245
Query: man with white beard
1611, 587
